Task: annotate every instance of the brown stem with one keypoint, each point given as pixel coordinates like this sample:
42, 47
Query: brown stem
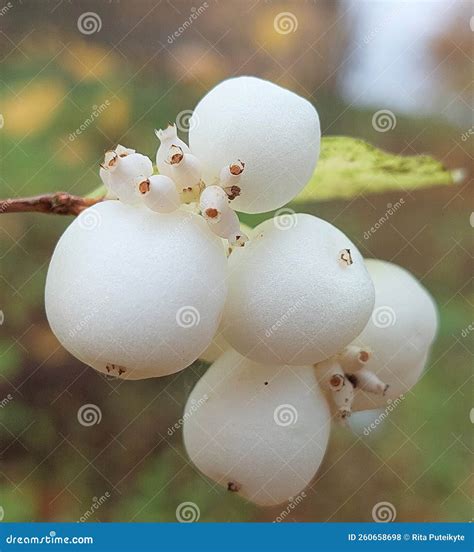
57, 203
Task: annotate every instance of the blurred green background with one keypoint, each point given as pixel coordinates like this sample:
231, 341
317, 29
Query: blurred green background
351, 60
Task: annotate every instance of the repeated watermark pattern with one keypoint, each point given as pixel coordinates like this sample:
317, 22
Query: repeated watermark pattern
384, 120
89, 219
195, 13
89, 23
285, 23
192, 408
285, 219
285, 316
285, 415
6, 400
95, 113
97, 502
392, 208
188, 317
186, 120
292, 504
384, 317
89, 415
391, 406
384, 512
188, 512
5, 9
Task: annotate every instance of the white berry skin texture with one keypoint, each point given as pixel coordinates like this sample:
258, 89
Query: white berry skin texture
399, 333
291, 299
273, 131
126, 174
134, 290
231, 432
168, 137
160, 194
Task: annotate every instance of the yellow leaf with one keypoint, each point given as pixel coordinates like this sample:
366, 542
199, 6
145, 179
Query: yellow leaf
349, 167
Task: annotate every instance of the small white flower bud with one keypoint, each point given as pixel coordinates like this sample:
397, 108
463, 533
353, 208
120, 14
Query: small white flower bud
122, 151
228, 225
159, 194
238, 239
168, 137
185, 168
354, 358
126, 173
213, 202
229, 178
368, 381
332, 378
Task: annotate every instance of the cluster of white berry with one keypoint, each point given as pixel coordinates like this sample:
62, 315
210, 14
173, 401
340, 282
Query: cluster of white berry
298, 326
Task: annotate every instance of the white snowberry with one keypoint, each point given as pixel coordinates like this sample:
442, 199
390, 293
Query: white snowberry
168, 137
125, 171
159, 194
260, 431
292, 298
273, 132
135, 293
399, 333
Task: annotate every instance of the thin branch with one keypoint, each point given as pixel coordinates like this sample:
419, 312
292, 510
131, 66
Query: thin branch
57, 203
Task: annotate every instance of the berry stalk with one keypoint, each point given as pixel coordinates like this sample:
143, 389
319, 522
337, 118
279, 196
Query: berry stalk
56, 203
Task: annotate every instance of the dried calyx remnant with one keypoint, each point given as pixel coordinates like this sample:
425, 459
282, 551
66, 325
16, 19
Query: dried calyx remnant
345, 372
128, 176
233, 486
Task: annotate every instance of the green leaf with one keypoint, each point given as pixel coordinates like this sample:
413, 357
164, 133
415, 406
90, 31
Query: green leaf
349, 167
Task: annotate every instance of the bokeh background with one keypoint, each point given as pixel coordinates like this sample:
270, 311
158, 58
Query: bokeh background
351, 59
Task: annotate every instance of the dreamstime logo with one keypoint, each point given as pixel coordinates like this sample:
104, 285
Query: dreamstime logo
6, 400
392, 208
6, 8
186, 121
466, 135
292, 504
96, 111
97, 502
285, 219
89, 23
89, 219
285, 316
188, 317
384, 317
391, 405
188, 512
194, 14
2, 513
2, 121
285, 415
191, 409
384, 512
285, 23
2, 318
384, 120
89, 415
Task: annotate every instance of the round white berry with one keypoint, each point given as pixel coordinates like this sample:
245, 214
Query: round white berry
260, 431
159, 194
399, 333
273, 132
135, 293
125, 173
168, 138
299, 292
